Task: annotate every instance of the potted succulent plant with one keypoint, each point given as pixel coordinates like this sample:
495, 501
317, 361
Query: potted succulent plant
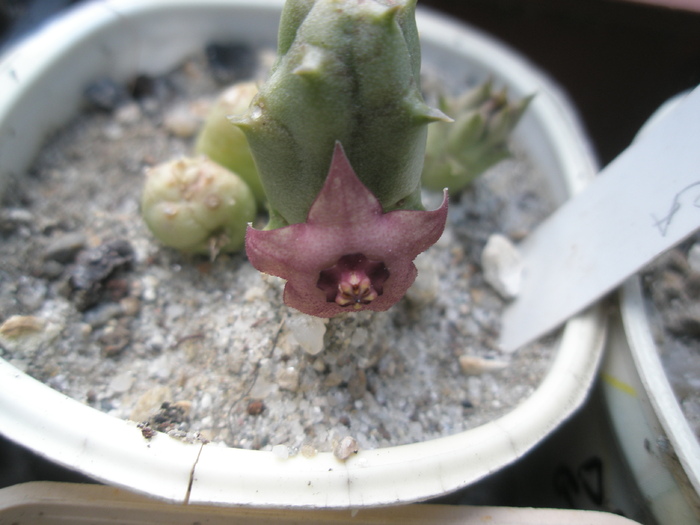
42, 81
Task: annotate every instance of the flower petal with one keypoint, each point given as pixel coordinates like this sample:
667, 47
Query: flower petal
343, 201
345, 219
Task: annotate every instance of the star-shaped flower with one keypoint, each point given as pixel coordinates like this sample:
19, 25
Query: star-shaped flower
349, 254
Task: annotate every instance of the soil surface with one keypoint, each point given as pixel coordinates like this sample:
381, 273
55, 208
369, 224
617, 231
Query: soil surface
672, 284
94, 307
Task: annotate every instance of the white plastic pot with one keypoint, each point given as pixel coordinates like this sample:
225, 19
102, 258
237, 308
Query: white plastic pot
41, 83
660, 447
68, 504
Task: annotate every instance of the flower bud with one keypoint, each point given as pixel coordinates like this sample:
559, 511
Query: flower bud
226, 144
197, 206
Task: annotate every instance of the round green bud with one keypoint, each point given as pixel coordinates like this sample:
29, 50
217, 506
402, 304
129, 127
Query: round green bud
225, 143
197, 206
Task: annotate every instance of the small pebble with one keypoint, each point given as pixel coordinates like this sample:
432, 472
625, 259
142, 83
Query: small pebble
255, 407
121, 383
206, 401
24, 336
426, 287
254, 293
171, 417
674, 260
31, 293
262, 388
63, 248
281, 451
149, 90
130, 306
149, 287
21, 325
345, 448
332, 380
96, 265
308, 451
502, 266
12, 218
684, 320
51, 270
668, 286
288, 379
319, 365
105, 94
114, 339
102, 314
150, 402
183, 407
359, 337
181, 122
113, 131
357, 386
472, 365
128, 114
308, 331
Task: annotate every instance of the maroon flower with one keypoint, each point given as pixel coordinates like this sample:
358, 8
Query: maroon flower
349, 254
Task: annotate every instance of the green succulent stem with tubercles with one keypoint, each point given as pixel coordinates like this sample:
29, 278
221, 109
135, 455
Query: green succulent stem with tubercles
226, 144
458, 153
348, 72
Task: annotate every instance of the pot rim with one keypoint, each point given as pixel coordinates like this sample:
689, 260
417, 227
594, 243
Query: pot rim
657, 389
644, 408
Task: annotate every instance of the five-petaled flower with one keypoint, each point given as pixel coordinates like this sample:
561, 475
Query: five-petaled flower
349, 254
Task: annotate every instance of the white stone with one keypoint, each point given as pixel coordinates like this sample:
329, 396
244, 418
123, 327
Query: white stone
122, 382
160, 367
345, 448
113, 131
24, 335
254, 293
426, 287
181, 122
308, 332
150, 288
206, 401
128, 113
280, 451
288, 379
502, 265
262, 388
359, 337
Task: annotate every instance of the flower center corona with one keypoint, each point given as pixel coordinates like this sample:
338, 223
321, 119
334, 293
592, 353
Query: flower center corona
353, 281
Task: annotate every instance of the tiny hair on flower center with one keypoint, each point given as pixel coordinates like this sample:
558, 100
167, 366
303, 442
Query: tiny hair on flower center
354, 281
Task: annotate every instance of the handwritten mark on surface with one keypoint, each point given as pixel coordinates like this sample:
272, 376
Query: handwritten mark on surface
664, 223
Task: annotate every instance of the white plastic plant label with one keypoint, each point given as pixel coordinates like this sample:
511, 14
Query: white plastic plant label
643, 203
